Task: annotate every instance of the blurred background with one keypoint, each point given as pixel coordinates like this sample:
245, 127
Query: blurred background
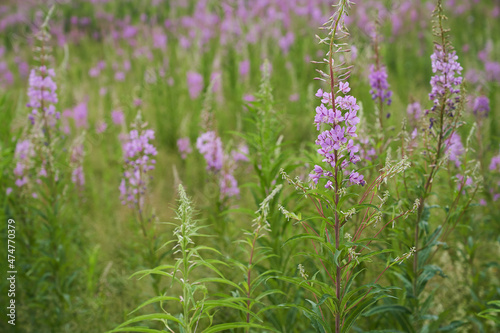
172, 59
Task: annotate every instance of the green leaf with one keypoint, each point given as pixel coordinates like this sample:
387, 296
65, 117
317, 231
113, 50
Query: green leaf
154, 300
153, 316
229, 326
269, 292
452, 326
391, 308
384, 331
135, 329
230, 303
219, 280
357, 311
336, 257
303, 236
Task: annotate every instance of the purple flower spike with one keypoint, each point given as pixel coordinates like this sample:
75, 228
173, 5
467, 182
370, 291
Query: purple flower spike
481, 106
184, 146
317, 173
210, 146
495, 163
139, 160
455, 148
414, 110
117, 117
379, 84
42, 96
195, 84
447, 79
342, 118
356, 178
24, 154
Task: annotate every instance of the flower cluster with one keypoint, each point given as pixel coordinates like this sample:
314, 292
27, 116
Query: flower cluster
80, 114
379, 84
495, 163
227, 182
138, 155
184, 146
240, 154
76, 162
117, 117
42, 96
341, 116
481, 107
34, 153
414, 110
367, 150
446, 81
195, 84
43, 116
221, 164
495, 166
23, 155
455, 148
461, 183
210, 146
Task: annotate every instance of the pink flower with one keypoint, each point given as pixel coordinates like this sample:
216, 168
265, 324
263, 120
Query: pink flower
184, 146
344, 87
120, 76
138, 155
80, 115
356, 178
210, 146
244, 68
101, 127
240, 154
248, 98
495, 162
455, 148
117, 117
195, 84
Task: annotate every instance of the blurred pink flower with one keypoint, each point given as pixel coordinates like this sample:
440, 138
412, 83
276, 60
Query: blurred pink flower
117, 117
195, 84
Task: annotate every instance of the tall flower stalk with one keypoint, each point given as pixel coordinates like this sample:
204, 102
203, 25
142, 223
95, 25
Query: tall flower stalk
139, 160
333, 142
35, 152
441, 143
221, 164
339, 251
43, 182
378, 82
443, 113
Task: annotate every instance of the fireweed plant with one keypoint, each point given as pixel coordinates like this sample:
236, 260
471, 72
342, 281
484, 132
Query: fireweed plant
339, 242
139, 160
76, 243
221, 164
45, 181
481, 110
377, 78
441, 147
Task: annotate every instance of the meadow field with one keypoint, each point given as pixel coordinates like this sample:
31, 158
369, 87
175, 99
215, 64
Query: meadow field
250, 166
